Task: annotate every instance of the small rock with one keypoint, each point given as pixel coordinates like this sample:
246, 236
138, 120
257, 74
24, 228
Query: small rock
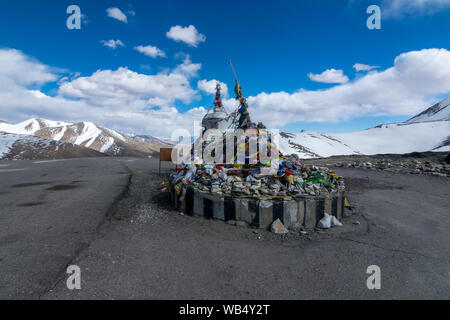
356, 222
447, 159
439, 174
277, 227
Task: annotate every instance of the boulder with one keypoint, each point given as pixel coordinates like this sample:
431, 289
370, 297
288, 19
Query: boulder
277, 227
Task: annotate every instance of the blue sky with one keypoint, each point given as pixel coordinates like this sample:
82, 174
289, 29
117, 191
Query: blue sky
274, 46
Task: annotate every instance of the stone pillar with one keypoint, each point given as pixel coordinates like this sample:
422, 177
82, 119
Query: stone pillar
265, 214
219, 208
340, 205
301, 206
328, 205
290, 212
246, 211
198, 203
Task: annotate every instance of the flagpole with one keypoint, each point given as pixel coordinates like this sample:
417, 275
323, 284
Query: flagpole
235, 76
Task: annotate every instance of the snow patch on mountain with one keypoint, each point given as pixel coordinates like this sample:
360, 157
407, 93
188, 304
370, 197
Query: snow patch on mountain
88, 135
6, 142
9, 141
115, 134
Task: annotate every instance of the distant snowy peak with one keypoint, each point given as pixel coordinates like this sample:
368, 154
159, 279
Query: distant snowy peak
88, 135
29, 126
151, 139
85, 134
439, 112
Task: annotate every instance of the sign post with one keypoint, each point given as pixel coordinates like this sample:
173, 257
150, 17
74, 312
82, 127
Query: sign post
165, 154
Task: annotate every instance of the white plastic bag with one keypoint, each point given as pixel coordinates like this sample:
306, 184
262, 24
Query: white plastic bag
325, 222
328, 221
335, 222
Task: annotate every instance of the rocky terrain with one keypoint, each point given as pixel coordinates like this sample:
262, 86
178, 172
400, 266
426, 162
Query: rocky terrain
426, 163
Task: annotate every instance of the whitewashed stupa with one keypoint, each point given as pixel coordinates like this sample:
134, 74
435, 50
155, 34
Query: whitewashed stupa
219, 118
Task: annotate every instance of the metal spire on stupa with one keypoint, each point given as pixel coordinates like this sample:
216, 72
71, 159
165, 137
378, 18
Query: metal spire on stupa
218, 100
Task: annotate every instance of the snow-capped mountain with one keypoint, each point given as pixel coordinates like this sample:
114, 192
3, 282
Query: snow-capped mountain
439, 112
427, 131
21, 146
85, 134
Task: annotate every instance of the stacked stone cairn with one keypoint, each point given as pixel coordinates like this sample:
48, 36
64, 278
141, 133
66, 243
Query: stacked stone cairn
251, 181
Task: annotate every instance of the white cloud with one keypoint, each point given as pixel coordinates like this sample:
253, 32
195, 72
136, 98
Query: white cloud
113, 44
329, 76
210, 86
151, 51
129, 101
188, 35
416, 80
20, 69
117, 14
119, 99
123, 86
363, 67
398, 8
188, 68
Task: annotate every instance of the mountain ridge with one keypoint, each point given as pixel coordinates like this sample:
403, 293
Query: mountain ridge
427, 131
27, 147
437, 112
86, 134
